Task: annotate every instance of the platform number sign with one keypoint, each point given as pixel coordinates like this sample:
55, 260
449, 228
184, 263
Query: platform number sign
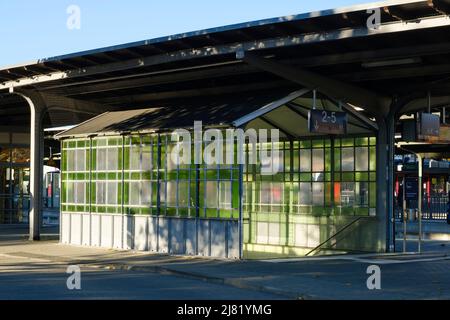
327, 122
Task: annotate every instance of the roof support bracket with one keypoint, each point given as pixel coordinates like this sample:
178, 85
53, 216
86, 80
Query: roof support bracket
373, 102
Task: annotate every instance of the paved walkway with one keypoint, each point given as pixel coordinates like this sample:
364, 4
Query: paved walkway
409, 276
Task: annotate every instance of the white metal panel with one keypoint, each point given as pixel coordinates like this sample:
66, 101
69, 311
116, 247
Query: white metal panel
274, 233
218, 239
301, 235
177, 238
163, 235
313, 235
76, 227
86, 237
140, 233
233, 240
128, 232
65, 228
190, 233
95, 230
262, 232
118, 234
106, 231
203, 238
152, 234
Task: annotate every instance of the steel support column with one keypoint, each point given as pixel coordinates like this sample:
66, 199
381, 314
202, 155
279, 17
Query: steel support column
382, 187
390, 121
37, 110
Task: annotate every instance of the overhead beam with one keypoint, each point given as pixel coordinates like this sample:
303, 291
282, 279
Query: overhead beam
155, 80
374, 103
155, 96
422, 103
270, 107
405, 72
374, 55
170, 76
230, 49
276, 126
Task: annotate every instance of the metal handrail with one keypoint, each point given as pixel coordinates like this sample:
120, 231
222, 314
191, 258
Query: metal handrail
335, 235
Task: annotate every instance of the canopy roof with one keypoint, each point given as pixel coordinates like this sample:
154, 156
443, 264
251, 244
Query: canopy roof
408, 53
286, 112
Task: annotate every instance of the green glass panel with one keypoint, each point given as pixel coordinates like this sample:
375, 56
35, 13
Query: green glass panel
225, 174
373, 159
317, 143
362, 141
327, 159
305, 177
337, 159
305, 144
112, 176
347, 142
361, 211
348, 177
146, 176
361, 176
373, 195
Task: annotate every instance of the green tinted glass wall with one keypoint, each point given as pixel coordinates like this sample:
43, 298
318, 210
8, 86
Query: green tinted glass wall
317, 178
137, 175
76, 166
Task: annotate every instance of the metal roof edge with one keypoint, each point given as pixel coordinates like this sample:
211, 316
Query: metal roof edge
63, 134
237, 26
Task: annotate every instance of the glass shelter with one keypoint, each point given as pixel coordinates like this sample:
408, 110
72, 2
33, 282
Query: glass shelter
124, 189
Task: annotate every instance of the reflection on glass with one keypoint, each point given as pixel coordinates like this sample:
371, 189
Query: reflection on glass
347, 194
134, 193
146, 193
135, 158
171, 195
318, 194
70, 192
305, 160
318, 164
101, 159
5, 154
71, 160
272, 193
146, 158
101, 192
305, 194
80, 192
362, 159
113, 159
20, 155
362, 191
225, 195
112, 193
348, 163
183, 194
211, 194
80, 160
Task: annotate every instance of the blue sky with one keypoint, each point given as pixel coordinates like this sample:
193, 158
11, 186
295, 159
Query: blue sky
37, 29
